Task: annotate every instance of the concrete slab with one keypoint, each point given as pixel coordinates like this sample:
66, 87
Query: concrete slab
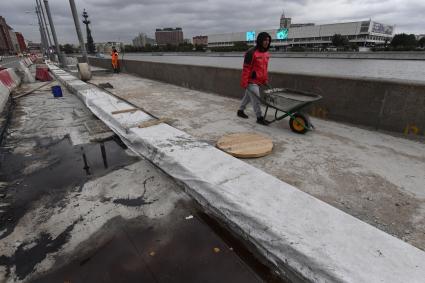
373, 176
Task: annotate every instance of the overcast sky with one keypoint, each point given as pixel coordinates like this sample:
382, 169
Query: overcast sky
122, 20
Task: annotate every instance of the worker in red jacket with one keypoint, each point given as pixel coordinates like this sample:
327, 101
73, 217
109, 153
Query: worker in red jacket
254, 75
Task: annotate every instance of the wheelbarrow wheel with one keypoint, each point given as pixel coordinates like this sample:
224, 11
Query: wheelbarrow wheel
299, 123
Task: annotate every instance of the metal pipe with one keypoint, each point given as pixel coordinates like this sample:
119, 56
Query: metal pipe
44, 22
78, 29
55, 39
43, 38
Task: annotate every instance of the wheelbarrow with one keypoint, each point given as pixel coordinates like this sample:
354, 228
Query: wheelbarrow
289, 103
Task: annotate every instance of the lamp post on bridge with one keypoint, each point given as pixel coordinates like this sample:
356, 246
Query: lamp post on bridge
44, 24
78, 29
55, 39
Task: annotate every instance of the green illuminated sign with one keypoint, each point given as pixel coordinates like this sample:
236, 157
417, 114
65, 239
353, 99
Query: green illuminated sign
282, 33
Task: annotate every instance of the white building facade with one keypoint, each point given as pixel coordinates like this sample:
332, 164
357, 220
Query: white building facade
363, 33
142, 39
106, 47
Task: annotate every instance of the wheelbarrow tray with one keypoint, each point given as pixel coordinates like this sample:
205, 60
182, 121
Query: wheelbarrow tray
290, 102
287, 100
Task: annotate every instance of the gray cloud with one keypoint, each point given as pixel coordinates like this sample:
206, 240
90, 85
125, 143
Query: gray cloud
124, 19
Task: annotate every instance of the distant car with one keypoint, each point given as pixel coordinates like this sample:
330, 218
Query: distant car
1, 58
100, 55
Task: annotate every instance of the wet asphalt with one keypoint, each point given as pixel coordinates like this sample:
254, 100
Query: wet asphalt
186, 246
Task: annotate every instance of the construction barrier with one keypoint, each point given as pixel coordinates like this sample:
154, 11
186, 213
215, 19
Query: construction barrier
25, 73
9, 78
4, 95
42, 73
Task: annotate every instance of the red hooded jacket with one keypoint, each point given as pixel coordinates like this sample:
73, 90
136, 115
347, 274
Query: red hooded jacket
255, 64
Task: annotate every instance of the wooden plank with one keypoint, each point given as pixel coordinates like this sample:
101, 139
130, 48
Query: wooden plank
124, 111
151, 123
246, 145
31, 91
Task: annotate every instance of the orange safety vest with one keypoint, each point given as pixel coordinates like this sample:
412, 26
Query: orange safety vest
114, 56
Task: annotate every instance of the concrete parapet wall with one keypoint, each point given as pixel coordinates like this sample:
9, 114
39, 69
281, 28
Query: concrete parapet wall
397, 106
397, 55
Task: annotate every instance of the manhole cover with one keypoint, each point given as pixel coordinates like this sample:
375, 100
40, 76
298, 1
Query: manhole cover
246, 145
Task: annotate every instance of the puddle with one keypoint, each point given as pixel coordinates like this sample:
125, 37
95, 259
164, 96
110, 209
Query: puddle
167, 249
27, 255
65, 167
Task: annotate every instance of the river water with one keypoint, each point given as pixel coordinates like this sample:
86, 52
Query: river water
358, 68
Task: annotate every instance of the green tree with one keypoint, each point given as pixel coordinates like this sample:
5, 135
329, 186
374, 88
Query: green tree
353, 46
240, 46
185, 47
200, 47
404, 41
421, 42
67, 48
339, 40
147, 48
130, 48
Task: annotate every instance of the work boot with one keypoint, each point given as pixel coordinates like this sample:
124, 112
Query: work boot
242, 114
262, 121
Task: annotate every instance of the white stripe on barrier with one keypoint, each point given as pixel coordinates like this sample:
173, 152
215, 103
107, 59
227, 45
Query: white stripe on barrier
16, 79
4, 96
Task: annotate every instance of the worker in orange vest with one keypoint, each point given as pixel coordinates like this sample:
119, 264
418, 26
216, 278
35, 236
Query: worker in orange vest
114, 57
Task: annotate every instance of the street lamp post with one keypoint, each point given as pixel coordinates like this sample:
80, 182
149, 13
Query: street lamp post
44, 22
43, 35
55, 39
78, 29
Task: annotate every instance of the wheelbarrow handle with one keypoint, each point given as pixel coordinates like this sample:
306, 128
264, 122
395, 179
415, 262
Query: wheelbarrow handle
267, 85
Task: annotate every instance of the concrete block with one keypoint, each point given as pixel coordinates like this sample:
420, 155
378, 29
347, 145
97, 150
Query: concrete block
26, 74
7, 80
16, 79
4, 95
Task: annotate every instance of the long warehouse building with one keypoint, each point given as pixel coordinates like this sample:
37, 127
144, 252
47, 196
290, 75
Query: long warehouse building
363, 33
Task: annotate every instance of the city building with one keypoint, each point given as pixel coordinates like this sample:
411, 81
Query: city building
14, 40
106, 47
200, 40
287, 22
21, 41
173, 36
142, 39
284, 21
363, 33
34, 47
6, 45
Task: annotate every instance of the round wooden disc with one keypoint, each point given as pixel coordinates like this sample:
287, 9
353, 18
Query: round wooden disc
245, 145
